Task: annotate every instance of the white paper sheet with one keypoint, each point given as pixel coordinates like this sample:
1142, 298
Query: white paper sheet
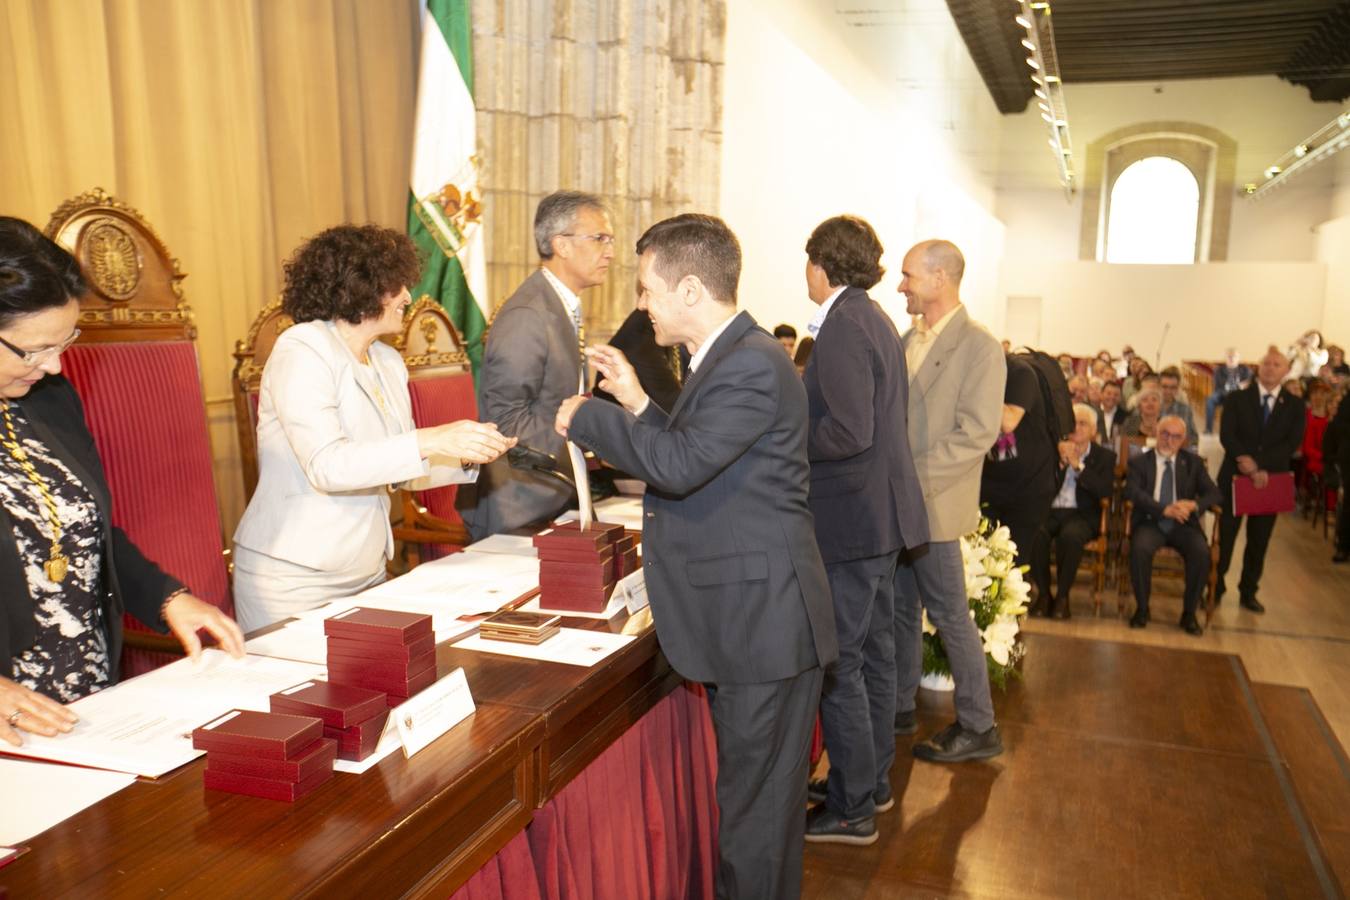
583, 480
505, 544
296, 640
39, 795
570, 646
144, 725
615, 606
625, 511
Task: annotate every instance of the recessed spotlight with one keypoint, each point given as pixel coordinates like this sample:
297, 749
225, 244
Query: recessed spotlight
1031, 61
1029, 45
1023, 22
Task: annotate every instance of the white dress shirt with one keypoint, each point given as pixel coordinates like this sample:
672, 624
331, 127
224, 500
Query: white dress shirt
819, 318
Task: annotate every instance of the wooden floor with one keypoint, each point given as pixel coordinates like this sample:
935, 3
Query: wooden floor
1141, 763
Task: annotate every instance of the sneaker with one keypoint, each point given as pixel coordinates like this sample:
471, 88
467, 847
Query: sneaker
824, 827
906, 722
956, 744
817, 789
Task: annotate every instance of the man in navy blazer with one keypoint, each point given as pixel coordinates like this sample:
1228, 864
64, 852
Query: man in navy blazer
1170, 490
738, 590
868, 505
1261, 428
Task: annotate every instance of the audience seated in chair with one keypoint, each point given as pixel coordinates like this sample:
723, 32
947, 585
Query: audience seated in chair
1110, 415
1143, 422
1169, 490
1174, 403
1228, 377
1086, 474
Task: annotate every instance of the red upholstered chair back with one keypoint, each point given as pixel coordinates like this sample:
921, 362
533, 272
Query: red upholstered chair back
441, 384
136, 370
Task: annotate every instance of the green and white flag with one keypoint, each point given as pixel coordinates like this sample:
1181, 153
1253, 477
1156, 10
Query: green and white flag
445, 206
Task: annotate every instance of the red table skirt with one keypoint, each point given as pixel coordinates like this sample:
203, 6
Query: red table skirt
639, 822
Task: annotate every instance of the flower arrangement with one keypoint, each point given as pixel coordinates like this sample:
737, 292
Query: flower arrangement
998, 594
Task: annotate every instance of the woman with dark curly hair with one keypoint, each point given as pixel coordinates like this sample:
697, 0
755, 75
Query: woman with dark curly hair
66, 572
335, 430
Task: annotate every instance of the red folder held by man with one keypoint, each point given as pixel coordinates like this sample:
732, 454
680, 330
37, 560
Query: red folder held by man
1276, 497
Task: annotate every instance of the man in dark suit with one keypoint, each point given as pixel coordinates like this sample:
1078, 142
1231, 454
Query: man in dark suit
1170, 490
1110, 415
867, 503
533, 360
1261, 428
738, 590
1086, 475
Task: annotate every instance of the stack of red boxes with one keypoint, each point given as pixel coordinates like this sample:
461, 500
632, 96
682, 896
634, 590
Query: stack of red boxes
352, 716
577, 568
383, 650
279, 757
625, 556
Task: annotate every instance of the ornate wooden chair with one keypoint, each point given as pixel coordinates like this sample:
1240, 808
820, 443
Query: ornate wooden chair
136, 369
442, 390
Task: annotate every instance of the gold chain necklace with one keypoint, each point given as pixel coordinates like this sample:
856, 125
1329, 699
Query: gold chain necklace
57, 563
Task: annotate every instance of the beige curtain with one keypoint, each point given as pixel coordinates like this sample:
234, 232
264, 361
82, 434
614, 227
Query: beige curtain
619, 97
236, 127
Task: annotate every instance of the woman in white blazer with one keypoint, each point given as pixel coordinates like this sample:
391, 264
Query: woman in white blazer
335, 431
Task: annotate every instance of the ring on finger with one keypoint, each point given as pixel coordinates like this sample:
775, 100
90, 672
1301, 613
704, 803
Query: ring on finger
13, 718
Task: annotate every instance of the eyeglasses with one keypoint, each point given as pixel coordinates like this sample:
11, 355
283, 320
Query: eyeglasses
34, 358
604, 240
1172, 435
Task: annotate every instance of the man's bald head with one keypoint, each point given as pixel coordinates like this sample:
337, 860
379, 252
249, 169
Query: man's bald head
931, 279
1274, 366
943, 256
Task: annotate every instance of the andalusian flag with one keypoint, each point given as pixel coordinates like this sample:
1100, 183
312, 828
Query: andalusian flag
444, 209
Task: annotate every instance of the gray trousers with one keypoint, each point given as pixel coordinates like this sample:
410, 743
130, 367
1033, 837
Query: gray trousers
763, 760
857, 708
936, 581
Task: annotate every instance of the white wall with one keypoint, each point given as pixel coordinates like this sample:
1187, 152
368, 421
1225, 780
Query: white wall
822, 116
1088, 305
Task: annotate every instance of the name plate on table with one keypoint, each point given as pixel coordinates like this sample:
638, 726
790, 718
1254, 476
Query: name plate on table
634, 589
433, 712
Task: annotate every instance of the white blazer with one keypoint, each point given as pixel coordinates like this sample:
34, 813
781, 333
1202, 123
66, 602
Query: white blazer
333, 436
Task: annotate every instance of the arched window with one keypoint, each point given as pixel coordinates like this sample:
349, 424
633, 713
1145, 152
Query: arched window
1155, 204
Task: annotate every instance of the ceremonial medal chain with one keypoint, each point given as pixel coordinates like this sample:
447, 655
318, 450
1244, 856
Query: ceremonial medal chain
57, 563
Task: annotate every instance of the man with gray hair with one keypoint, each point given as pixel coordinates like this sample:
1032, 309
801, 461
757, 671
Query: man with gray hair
532, 361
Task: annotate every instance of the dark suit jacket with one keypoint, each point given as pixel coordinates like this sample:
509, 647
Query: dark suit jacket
1095, 482
530, 364
637, 339
134, 583
737, 586
1272, 445
1192, 483
865, 494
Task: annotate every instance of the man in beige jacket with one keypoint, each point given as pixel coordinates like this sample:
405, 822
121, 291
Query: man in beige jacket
957, 375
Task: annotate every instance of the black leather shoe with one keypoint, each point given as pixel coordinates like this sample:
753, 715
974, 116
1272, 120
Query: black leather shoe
1341, 556
905, 722
1252, 604
956, 744
1139, 619
1037, 608
1219, 589
1060, 608
824, 827
1191, 626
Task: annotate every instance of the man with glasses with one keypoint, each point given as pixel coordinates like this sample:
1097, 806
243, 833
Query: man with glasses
1170, 490
532, 360
1173, 404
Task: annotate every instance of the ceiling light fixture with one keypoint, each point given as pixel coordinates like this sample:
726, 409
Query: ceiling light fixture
1044, 62
1316, 148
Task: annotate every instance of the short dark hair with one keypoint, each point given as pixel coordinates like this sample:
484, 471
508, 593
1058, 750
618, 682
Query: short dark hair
346, 271
848, 250
785, 330
555, 215
36, 273
1170, 372
698, 245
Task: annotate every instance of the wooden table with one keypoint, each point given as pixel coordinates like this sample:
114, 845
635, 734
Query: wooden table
418, 827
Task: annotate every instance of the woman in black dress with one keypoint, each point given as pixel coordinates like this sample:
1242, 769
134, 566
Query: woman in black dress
66, 574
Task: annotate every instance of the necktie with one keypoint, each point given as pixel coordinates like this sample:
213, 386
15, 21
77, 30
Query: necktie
1167, 495
1266, 403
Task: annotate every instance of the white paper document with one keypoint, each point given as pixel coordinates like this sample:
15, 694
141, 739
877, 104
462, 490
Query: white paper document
612, 609
505, 544
39, 795
583, 480
570, 646
625, 511
144, 725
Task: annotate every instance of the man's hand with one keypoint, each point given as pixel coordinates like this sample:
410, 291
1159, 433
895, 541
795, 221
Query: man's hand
1068, 453
618, 377
185, 614
1260, 478
1246, 465
566, 411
